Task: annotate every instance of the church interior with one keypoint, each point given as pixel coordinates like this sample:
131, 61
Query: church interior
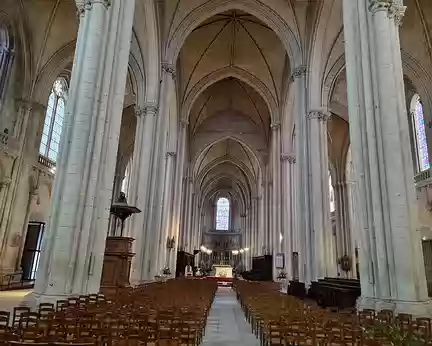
243, 172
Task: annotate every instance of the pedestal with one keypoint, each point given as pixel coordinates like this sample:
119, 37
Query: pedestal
116, 265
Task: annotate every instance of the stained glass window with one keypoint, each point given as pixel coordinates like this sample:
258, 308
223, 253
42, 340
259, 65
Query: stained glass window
54, 116
422, 155
331, 195
222, 214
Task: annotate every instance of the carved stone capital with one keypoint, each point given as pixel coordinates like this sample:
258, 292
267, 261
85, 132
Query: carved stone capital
299, 71
87, 5
29, 105
318, 115
5, 182
397, 12
169, 68
150, 108
292, 159
379, 5
171, 153
275, 126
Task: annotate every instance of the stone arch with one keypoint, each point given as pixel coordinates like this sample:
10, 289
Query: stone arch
253, 7
221, 139
219, 75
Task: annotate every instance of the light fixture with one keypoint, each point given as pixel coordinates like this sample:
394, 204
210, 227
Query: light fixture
246, 249
241, 250
424, 238
280, 237
209, 251
235, 252
203, 248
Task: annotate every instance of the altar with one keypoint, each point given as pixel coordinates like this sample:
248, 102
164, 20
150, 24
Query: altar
222, 271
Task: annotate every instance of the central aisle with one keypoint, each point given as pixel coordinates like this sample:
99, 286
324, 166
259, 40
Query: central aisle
226, 323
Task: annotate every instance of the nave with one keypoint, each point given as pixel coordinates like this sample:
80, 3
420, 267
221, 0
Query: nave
185, 312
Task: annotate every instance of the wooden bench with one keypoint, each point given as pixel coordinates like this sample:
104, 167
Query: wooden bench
342, 293
297, 289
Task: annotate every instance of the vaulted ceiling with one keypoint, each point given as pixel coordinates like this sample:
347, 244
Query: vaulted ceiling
232, 70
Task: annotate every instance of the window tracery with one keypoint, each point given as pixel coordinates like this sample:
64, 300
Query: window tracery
420, 142
222, 214
54, 117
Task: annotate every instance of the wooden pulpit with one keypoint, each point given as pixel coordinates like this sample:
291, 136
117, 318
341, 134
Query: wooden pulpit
117, 264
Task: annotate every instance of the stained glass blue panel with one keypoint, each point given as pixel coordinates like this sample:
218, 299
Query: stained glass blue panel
422, 149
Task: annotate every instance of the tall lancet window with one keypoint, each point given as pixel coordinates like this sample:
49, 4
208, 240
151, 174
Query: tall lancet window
421, 149
6, 57
54, 116
331, 195
222, 214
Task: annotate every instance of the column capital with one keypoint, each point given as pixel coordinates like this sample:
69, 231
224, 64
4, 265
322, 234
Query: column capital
379, 5
243, 215
318, 115
275, 126
30, 105
299, 71
288, 157
148, 108
171, 153
5, 182
87, 5
397, 12
169, 68
394, 8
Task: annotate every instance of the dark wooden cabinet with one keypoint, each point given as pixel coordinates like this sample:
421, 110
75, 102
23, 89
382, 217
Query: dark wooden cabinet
117, 264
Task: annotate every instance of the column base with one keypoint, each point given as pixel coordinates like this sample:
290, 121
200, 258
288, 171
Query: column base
33, 299
415, 308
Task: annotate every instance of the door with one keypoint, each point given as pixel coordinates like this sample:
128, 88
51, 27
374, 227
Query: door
32, 249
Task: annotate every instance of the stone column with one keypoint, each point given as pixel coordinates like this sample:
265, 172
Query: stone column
324, 262
261, 216
74, 243
344, 241
255, 247
189, 212
178, 201
276, 196
287, 214
139, 190
303, 195
165, 142
166, 208
391, 261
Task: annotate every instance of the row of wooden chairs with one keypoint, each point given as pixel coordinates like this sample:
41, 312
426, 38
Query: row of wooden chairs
163, 313
280, 319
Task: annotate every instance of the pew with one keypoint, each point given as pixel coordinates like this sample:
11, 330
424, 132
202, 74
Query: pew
297, 289
335, 292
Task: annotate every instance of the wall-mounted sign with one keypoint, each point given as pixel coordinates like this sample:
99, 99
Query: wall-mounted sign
280, 261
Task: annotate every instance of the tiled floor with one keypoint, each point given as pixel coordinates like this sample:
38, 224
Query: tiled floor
226, 324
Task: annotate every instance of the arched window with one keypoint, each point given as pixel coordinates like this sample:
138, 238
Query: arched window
6, 55
222, 214
126, 179
331, 195
419, 134
50, 141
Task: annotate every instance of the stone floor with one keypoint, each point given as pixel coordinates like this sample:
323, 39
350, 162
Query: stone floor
226, 323
10, 299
